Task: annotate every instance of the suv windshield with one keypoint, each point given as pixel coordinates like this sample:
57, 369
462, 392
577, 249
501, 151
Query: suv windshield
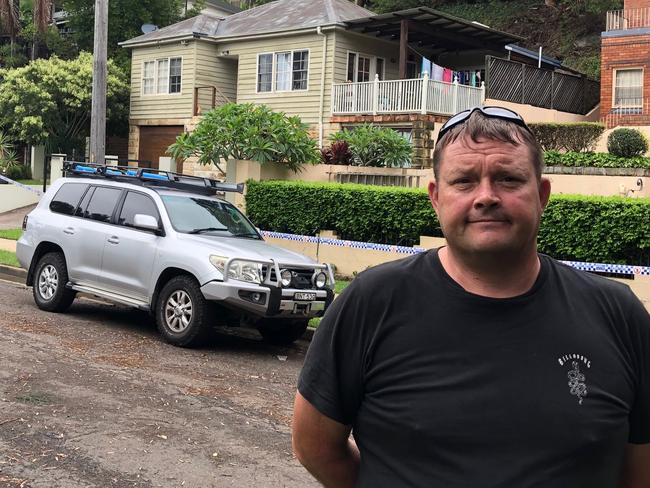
195, 215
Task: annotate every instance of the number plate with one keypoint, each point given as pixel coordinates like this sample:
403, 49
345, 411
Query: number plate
308, 297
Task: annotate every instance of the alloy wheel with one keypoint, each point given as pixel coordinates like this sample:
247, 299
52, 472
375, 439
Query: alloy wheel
48, 282
178, 311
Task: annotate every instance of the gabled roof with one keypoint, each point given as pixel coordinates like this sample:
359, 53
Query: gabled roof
278, 16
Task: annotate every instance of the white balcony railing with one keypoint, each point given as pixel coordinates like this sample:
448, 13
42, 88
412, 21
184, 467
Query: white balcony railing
634, 18
419, 95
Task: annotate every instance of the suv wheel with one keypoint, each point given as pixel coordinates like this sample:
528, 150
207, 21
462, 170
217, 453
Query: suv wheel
282, 332
181, 312
49, 290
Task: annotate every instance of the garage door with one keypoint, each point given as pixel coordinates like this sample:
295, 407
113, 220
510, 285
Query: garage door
154, 142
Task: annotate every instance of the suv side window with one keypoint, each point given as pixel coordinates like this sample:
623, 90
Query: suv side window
66, 199
137, 203
102, 204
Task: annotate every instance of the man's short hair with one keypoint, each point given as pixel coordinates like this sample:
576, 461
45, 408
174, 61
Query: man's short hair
479, 126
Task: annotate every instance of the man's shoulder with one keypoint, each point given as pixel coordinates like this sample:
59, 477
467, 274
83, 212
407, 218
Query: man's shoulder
588, 283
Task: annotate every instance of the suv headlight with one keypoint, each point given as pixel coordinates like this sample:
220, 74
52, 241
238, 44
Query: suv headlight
320, 280
239, 269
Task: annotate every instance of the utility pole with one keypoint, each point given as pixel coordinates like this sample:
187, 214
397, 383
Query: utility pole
98, 111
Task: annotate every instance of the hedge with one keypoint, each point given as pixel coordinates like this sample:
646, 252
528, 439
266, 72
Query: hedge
579, 136
580, 228
598, 160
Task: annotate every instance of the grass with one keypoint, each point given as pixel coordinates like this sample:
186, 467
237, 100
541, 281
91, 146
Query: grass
31, 182
13, 234
8, 258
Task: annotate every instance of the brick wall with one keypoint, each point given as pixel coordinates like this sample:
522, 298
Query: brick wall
624, 52
632, 4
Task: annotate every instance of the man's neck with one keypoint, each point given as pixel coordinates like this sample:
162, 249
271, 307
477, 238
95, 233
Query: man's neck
491, 276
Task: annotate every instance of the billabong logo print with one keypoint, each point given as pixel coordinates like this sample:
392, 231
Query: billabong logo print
577, 380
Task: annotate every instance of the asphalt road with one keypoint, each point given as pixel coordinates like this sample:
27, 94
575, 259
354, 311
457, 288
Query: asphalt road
94, 398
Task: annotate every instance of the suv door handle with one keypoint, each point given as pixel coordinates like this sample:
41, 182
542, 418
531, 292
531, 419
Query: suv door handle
114, 240
68, 230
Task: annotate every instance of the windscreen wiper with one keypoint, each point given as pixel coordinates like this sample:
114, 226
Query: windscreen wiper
253, 235
206, 229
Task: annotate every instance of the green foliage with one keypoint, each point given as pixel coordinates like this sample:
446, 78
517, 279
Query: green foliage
9, 164
597, 160
48, 101
125, 17
357, 212
577, 137
627, 143
247, 131
371, 145
581, 228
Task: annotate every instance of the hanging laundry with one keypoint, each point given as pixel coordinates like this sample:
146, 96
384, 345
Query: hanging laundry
447, 75
437, 72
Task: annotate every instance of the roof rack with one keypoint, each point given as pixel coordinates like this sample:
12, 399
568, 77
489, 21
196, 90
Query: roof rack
150, 177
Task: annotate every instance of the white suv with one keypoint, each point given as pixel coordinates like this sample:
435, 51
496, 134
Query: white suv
165, 243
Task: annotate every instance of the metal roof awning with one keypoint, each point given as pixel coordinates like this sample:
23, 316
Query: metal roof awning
434, 32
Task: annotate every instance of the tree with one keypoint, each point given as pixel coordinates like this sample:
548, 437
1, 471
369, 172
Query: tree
48, 101
125, 18
247, 131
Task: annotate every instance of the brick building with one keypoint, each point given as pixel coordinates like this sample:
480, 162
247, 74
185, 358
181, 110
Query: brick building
625, 66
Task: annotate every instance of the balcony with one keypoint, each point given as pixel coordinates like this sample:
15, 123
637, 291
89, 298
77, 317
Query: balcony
629, 19
415, 96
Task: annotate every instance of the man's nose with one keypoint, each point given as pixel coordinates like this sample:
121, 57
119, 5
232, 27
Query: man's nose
486, 195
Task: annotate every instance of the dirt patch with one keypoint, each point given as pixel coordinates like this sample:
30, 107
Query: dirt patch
94, 398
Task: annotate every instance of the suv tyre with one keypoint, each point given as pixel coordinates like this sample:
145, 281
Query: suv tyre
181, 312
51, 277
282, 332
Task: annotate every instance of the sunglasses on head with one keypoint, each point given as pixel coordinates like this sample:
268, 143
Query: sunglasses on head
491, 112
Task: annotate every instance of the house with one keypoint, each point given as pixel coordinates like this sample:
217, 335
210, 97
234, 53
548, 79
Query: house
625, 66
335, 65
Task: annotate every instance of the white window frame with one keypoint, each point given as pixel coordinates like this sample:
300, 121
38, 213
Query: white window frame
274, 71
373, 65
155, 62
627, 68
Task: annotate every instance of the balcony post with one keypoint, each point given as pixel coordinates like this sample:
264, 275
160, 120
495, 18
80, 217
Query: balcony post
455, 95
425, 92
375, 95
482, 92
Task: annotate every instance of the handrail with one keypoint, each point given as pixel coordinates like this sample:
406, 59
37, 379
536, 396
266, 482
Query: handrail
215, 90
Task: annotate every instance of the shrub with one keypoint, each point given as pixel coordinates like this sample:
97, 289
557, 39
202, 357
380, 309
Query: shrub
577, 137
627, 143
247, 131
337, 153
580, 228
598, 160
376, 146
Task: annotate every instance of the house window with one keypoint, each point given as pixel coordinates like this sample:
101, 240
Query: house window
265, 72
628, 90
282, 71
161, 76
364, 68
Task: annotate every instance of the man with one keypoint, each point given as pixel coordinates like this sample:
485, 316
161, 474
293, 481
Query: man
482, 363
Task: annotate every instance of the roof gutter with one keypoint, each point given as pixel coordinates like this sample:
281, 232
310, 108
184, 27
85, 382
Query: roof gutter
214, 39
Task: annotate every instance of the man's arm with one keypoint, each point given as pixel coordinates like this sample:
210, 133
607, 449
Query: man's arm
636, 466
323, 446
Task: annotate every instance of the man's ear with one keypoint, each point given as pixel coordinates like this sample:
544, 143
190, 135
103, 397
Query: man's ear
433, 194
544, 191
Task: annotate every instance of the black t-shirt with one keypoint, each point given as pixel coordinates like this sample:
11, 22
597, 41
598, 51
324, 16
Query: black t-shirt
444, 388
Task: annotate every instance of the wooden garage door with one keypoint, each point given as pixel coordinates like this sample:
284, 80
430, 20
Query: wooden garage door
154, 142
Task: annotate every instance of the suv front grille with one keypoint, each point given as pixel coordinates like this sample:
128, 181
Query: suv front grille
301, 277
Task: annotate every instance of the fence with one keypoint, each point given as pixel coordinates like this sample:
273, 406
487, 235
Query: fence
634, 18
418, 95
520, 83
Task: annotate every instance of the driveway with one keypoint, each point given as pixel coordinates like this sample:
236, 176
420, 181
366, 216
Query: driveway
94, 398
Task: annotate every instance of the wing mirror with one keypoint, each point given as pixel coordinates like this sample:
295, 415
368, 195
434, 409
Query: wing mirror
146, 222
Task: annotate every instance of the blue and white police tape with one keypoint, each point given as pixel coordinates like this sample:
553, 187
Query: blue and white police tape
622, 269
24, 187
